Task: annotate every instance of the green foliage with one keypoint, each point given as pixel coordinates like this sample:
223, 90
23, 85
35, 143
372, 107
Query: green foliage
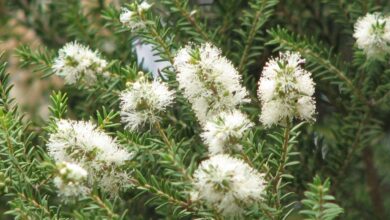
250, 41
41, 61
58, 108
322, 63
185, 21
281, 158
319, 205
20, 160
352, 100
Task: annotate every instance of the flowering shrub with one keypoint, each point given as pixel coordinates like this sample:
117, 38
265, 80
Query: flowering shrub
262, 109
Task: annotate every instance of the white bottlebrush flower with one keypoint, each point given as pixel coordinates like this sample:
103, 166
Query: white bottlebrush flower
130, 17
143, 102
210, 81
126, 16
82, 143
286, 90
77, 62
372, 33
71, 180
227, 184
224, 132
144, 6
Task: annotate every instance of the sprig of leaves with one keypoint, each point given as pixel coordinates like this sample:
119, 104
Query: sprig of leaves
319, 204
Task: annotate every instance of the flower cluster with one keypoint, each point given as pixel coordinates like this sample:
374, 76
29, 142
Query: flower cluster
286, 90
143, 101
83, 144
227, 184
213, 87
223, 133
129, 17
71, 180
372, 33
77, 62
210, 81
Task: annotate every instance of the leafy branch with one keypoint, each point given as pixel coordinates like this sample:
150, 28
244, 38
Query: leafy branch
164, 194
158, 35
253, 22
318, 203
323, 64
186, 20
42, 60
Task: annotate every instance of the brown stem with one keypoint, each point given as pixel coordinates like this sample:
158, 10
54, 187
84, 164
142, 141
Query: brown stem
321, 202
249, 41
163, 135
192, 21
282, 163
35, 203
160, 193
179, 165
351, 153
373, 183
99, 201
153, 31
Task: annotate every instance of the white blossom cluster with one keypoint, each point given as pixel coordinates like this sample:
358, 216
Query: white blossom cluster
130, 17
71, 180
82, 143
286, 90
213, 87
210, 81
143, 101
372, 33
223, 133
227, 184
77, 62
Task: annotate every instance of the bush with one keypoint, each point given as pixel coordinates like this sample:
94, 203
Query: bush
259, 109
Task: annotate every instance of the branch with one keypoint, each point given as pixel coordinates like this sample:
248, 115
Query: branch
282, 164
259, 19
191, 20
373, 183
309, 50
143, 185
180, 166
151, 26
109, 211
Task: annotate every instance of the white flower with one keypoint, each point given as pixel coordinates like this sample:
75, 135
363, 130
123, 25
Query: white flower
77, 62
70, 180
143, 102
372, 33
224, 132
286, 90
144, 6
306, 108
130, 17
227, 184
126, 16
82, 143
210, 81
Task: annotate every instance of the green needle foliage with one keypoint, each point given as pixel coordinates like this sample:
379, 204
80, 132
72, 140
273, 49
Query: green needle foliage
348, 144
318, 203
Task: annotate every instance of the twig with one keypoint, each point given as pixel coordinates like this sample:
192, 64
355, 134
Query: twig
373, 183
180, 166
190, 19
158, 192
282, 164
35, 203
98, 200
153, 31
